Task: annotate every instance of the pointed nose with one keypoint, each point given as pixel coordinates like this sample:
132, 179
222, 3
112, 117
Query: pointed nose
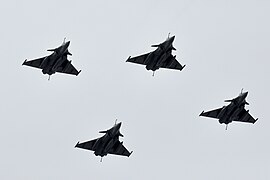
118, 125
64, 47
171, 39
67, 43
245, 94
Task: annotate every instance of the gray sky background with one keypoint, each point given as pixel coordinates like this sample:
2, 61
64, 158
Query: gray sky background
225, 45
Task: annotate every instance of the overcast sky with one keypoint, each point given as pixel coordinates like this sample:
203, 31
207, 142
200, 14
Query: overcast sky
224, 44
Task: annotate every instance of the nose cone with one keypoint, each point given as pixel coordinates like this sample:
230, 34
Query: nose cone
118, 125
64, 47
245, 94
171, 39
242, 96
67, 43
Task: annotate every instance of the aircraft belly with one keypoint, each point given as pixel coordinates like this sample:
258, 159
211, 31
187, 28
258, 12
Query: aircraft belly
99, 148
58, 62
152, 60
109, 145
97, 144
45, 63
222, 113
230, 114
235, 114
47, 70
148, 59
103, 146
224, 116
99, 152
162, 59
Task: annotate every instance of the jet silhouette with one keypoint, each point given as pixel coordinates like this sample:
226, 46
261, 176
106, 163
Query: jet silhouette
160, 58
107, 144
56, 62
235, 111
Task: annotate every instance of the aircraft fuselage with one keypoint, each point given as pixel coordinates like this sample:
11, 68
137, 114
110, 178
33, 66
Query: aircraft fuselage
106, 142
56, 59
156, 58
229, 113
232, 111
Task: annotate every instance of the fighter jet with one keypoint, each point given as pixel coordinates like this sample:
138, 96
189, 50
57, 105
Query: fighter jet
235, 111
56, 62
107, 144
160, 58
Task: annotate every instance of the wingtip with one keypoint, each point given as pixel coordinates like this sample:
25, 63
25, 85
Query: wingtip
130, 153
183, 67
256, 120
79, 72
24, 61
201, 113
128, 59
77, 144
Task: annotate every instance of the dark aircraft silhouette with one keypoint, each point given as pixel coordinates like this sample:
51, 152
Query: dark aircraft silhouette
56, 62
160, 58
235, 111
107, 144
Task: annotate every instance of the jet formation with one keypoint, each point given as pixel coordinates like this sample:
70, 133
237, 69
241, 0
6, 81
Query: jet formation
107, 144
160, 58
235, 111
56, 62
